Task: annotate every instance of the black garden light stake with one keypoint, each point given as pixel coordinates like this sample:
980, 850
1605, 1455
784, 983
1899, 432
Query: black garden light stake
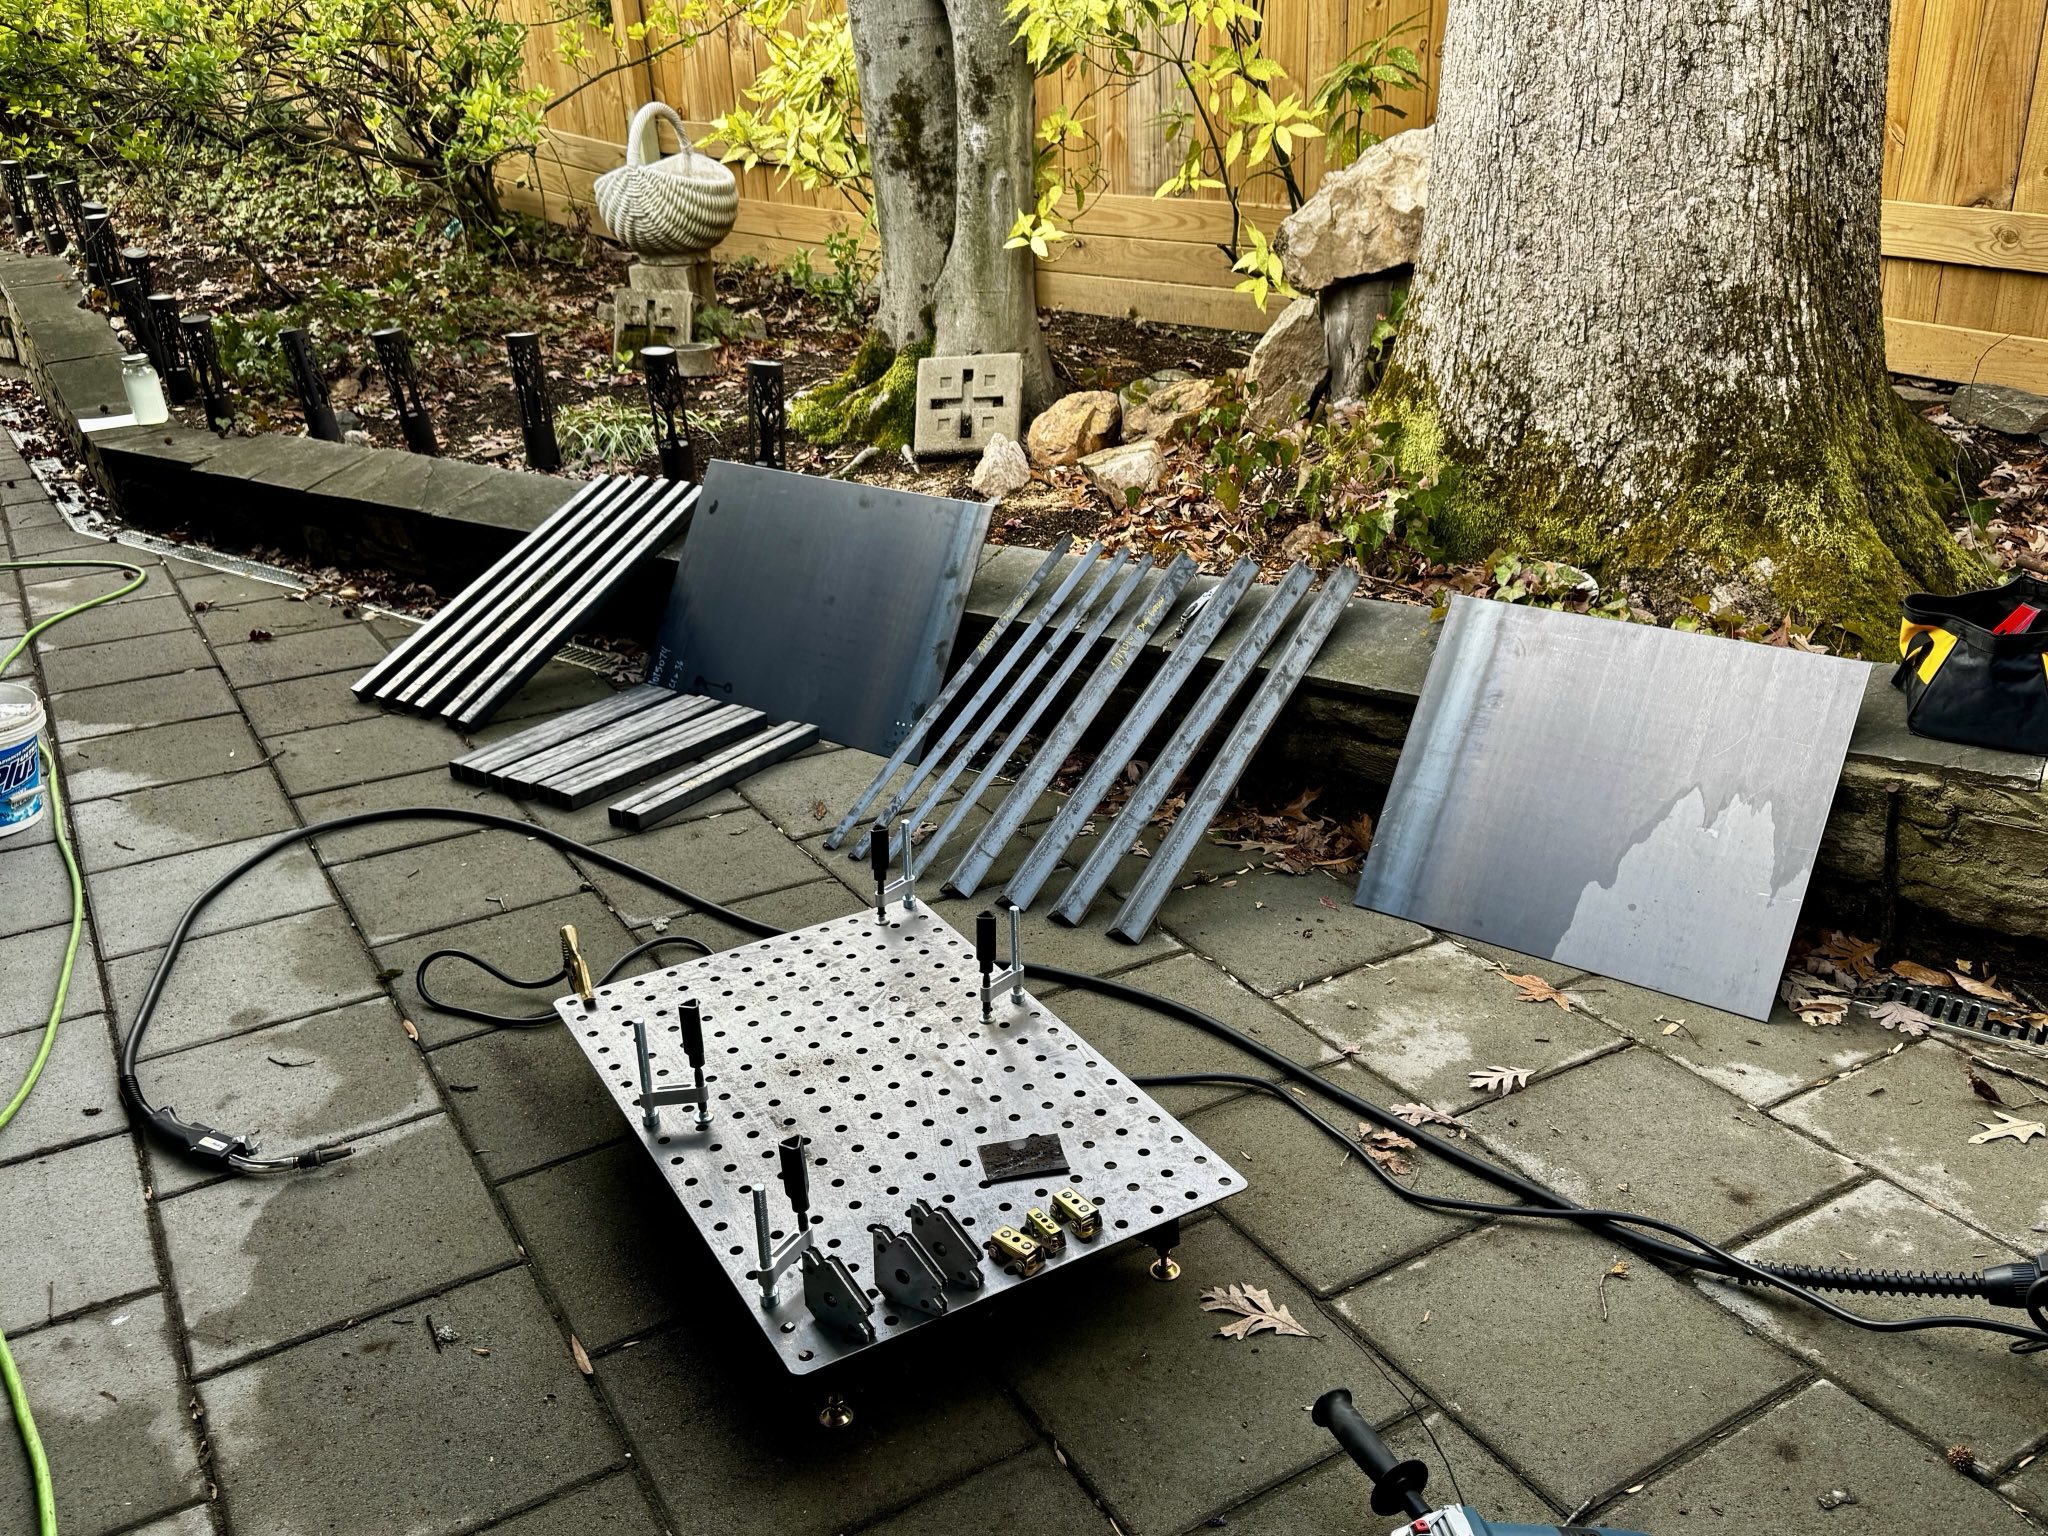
13, 181
298, 354
48, 223
69, 201
133, 306
163, 319
536, 409
138, 263
102, 258
764, 407
394, 355
668, 397
202, 355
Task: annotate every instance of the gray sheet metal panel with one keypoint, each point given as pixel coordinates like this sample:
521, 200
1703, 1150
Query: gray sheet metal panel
602, 560
655, 803
1129, 735
1043, 700
1151, 791
1134, 921
1066, 735
657, 754
670, 711
955, 685
479, 589
573, 544
1639, 802
796, 1025
1027, 651
820, 600
475, 767
999, 715
529, 650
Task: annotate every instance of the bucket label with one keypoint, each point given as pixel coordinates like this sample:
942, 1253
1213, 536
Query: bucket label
21, 784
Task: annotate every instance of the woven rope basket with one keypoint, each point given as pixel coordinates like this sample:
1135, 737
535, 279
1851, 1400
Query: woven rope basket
675, 205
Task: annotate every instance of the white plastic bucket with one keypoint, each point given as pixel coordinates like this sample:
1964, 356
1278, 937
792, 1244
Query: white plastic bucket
22, 792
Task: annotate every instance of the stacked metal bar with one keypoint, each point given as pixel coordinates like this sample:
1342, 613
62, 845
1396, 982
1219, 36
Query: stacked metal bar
655, 803
480, 649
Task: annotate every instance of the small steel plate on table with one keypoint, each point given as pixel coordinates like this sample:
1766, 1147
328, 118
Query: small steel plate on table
867, 1038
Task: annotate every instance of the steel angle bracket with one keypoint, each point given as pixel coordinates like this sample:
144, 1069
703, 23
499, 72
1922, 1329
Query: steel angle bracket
906, 1273
835, 1298
939, 1233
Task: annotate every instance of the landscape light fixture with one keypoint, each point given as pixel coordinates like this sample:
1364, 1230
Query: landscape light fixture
163, 319
13, 181
47, 222
402, 378
536, 409
69, 201
312, 388
202, 354
133, 306
765, 409
668, 396
138, 263
102, 255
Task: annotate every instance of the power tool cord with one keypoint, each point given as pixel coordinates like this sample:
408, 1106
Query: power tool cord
10, 1376
2013, 1285
560, 977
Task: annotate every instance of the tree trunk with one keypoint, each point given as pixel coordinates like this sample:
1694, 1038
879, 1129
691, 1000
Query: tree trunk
903, 53
1646, 334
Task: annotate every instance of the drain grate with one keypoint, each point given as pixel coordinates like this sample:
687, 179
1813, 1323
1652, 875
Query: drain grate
1967, 1015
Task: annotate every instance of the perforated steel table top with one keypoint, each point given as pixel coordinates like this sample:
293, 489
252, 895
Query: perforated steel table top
867, 1038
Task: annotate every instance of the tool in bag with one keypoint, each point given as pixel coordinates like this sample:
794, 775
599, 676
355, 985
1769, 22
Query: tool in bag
1974, 668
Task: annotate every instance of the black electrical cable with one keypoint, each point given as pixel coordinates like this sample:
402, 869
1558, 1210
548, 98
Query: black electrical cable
2014, 1285
529, 1020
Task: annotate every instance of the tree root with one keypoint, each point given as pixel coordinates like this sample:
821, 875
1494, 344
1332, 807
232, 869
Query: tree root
874, 401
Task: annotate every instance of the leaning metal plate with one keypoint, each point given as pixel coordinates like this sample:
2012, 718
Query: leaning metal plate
819, 600
1638, 802
867, 1038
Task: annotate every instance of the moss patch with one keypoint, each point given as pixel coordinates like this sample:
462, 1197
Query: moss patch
874, 401
1836, 523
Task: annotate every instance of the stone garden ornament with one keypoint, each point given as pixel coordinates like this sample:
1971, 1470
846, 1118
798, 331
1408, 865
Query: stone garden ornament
666, 205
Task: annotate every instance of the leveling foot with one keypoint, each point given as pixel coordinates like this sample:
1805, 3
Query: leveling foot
1162, 1240
835, 1414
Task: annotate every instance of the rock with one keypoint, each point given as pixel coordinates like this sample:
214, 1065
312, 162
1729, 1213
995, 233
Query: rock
347, 419
1138, 391
1125, 473
1917, 395
1303, 543
1169, 410
1003, 468
1288, 365
1366, 218
1074, 425
2014, 412
1352, 311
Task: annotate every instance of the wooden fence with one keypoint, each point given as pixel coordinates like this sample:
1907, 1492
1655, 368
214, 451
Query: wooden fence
1965, 179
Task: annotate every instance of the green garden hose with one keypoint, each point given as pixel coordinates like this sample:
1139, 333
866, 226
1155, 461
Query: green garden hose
17, 1395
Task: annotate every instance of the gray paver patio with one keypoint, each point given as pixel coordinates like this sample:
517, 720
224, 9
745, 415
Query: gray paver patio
493, 1190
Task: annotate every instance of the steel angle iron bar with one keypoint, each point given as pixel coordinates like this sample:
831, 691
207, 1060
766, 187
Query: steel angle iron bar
528, 772
1061, 740
1195, 639
1020, 730
529, 603
659, 801
489, 587
677, 730
1167, 763
955, 686
1134, 920
508, 750
530, 652
1026, 651
660, 753
990, 723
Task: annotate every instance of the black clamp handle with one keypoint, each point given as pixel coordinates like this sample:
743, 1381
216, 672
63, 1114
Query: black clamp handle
795, 1172
985, 943
692, 1020
1396, 1485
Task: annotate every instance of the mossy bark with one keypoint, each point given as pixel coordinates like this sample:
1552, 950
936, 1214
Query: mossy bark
1646, 335
874, 401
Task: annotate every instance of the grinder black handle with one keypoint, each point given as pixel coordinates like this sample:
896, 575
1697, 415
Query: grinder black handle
1396, 1485
796, 1172
692, 1020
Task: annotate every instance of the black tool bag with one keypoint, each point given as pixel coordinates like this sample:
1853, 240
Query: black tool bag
1964, 683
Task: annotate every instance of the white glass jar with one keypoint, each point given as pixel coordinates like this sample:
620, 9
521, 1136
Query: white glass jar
144, 389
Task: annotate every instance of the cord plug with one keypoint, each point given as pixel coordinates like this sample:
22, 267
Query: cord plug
201, 1143
2007, 1285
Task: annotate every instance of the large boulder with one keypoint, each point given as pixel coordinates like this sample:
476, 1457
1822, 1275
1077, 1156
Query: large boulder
1365, 218
1169, 410
1288, 365
1126, 472
1073, 426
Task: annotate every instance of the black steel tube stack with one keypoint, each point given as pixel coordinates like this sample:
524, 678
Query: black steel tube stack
202, 355
163, 319
536, 408
394, 355
48, 223
312, 388
668, 397
765, 409
13, 181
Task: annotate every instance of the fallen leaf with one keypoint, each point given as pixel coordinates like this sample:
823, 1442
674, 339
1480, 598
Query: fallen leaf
411, 1029
1925, 976
1422, 1114
1813, 1000
1535, 989
2009, 1128
1988, 990
1907, 1020
1500, 1080
1980, 1087
1385, 1147
1256, 1312
261, 634
818, 810
579, 1355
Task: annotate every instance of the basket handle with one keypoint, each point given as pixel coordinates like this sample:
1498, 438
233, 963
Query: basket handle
643, 134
